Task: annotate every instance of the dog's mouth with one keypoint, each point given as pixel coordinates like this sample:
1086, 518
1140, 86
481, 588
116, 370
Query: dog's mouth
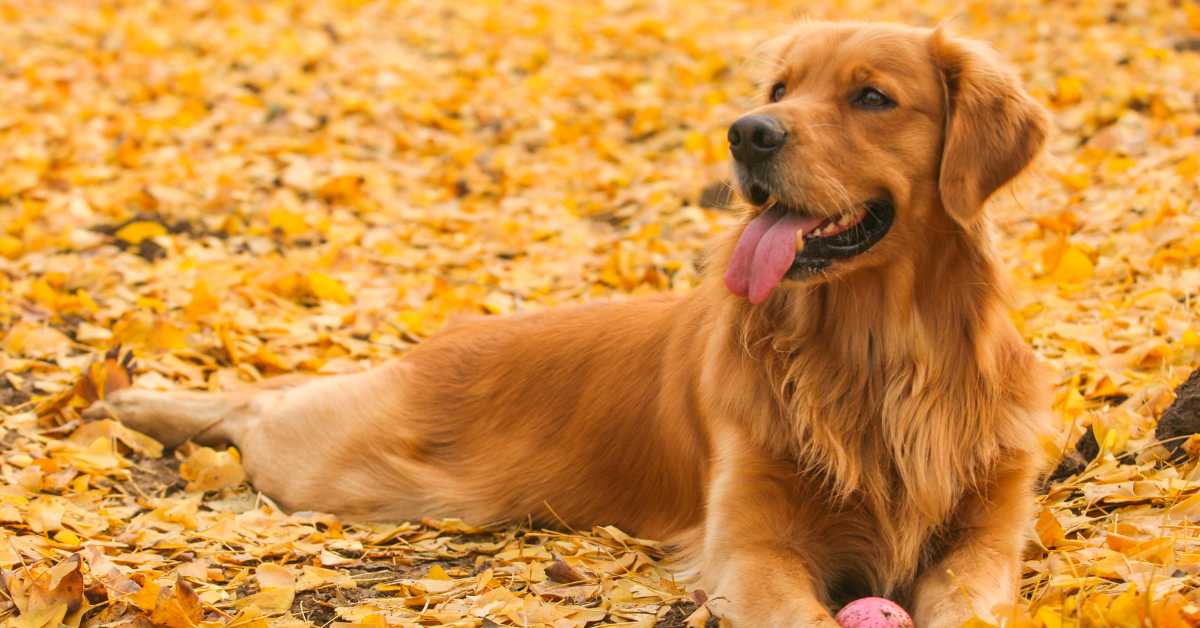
785, 241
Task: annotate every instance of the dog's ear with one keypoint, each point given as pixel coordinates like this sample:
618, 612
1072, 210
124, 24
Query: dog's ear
993, 127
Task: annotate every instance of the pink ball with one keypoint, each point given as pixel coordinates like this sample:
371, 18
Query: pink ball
873, 612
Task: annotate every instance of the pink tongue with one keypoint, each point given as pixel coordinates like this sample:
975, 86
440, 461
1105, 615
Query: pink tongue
764, 252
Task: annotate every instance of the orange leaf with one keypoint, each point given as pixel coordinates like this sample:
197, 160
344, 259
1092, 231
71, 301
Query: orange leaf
177, 606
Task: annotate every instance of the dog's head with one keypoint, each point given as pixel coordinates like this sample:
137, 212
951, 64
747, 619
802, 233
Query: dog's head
869, 140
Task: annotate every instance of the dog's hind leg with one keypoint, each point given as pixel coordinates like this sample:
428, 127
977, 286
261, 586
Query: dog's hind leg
315, 443
173, 417
177, 416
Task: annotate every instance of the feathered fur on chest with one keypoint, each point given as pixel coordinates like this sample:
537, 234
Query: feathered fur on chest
892, 410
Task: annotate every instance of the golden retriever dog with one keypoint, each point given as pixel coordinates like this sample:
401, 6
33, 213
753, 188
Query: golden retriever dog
842, 408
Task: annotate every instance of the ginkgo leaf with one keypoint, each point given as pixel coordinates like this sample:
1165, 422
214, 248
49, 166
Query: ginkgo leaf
135, 232
1073, 267
323, 286
206, 469
45, 595
177, 606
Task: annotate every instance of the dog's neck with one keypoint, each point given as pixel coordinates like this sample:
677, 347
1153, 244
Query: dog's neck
896, 363
890, 316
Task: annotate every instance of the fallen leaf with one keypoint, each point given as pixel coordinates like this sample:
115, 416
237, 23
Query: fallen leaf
177, 606
135, 232
206, 469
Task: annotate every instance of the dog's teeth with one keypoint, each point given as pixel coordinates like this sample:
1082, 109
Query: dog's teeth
799, 240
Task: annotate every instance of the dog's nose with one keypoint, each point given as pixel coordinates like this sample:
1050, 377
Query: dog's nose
755, 138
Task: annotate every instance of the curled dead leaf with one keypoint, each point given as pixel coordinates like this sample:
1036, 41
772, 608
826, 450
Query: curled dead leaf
177, 606
87, 434
207, 469
42, 593
117, 584
107, 375
559, 571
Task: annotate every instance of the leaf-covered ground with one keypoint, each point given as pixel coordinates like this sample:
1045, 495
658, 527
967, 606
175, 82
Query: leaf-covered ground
231, 190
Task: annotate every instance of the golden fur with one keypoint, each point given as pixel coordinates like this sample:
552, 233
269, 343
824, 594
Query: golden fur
872, 430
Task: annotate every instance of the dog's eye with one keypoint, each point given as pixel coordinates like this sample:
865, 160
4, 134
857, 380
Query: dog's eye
872, 98
778, 91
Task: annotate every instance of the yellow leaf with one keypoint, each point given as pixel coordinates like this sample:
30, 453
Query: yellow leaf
147, 597
1120, 542
98, 457
203, 302
699, 618
1074, 403
1073, 267
1102, 388
109, 574
208, 470
110, 429
177, 606
1125, 610
44, 293
135, 232
1049, 530
325, 287
289, 222
271, 599
35, 341
695, 142
312, 577
38, 590
167, 337
1070, 90
437, 573
1118, 164
10, 247
1169, 613
45, 514
1076, 182
47, 616
182, 511
273, 575
977, 622
134, 329
66, 537
497, 303
1050, 617
150, 303
1188, 167
268, 359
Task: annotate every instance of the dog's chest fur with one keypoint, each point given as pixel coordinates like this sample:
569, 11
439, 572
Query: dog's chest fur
890, 483
886, 433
